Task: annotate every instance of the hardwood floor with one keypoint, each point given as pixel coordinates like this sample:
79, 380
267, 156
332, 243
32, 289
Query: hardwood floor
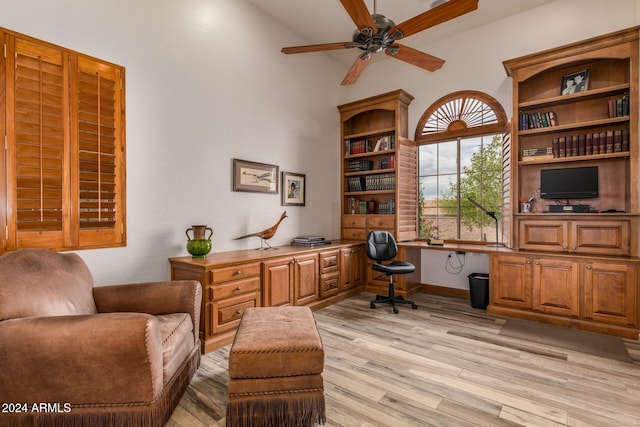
443, 364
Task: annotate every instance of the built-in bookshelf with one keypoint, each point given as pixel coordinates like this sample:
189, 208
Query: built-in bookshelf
575, 262
378, 163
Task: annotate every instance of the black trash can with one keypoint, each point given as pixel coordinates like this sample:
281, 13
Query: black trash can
479, 290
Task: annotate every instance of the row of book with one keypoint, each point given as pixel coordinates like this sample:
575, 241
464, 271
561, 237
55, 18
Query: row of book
611, 141
387, 142
379, 182
364, 207
538, 120
360, 165
387, 162
619, 107
309, 241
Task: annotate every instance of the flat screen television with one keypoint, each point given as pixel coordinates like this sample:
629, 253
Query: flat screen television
569, 183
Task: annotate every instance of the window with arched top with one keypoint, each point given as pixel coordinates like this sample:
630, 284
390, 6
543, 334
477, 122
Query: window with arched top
463, 158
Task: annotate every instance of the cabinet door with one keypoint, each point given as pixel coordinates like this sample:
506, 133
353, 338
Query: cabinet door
306, 279
511, 281
277, 276
601, 237
351, 271
610, 292
555, 287
543, 235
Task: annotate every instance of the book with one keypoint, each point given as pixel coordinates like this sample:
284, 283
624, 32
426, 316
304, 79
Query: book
625, 139
589, 144
609, 143
617, 141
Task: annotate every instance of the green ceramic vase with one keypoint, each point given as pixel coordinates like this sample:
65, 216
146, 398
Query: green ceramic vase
200, 245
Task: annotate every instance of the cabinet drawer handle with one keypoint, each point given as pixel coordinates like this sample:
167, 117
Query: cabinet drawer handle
239, 312
238, 272
573, 248
564, 248
537, 262
589, 267
239, 288
529, 262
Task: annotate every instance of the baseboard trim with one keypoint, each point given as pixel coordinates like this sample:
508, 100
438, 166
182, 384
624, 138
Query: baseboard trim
443, 290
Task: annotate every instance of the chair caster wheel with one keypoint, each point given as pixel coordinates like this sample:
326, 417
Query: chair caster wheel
373, 305
414, 306
395, 310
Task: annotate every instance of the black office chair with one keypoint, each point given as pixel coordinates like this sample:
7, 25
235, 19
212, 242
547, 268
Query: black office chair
381, 246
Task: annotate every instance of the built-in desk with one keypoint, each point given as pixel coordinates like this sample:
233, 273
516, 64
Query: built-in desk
597, 293
284, 275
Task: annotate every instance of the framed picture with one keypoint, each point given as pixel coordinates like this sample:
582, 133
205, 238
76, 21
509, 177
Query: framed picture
254, 177
574, 83
293, 189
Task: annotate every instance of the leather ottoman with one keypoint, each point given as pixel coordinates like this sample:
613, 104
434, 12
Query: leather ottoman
275, 369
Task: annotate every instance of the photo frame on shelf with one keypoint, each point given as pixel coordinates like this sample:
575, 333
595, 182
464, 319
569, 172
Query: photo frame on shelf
575, 82
293, 189
254, 177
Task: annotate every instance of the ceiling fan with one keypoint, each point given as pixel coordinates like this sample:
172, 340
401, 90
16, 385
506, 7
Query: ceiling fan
376, 33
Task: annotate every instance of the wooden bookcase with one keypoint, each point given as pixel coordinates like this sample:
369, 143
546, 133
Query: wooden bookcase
569, 268
378, 166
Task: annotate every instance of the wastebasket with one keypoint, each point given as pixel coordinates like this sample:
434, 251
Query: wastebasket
479, 290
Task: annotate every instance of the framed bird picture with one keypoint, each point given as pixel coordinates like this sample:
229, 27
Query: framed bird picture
293, 189
254, 177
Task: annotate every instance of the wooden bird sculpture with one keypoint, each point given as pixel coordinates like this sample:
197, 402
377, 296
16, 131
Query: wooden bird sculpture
267, 233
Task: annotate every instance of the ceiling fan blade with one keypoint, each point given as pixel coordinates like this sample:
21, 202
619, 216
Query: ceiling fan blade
318, 47
359, 14
415, 57
437, 15
356, 69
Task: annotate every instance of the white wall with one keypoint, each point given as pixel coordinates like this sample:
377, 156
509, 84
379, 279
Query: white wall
206, 83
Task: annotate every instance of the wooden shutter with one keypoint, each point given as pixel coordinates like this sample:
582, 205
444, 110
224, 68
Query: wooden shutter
38, 139
506, 189
63, 174
99, 137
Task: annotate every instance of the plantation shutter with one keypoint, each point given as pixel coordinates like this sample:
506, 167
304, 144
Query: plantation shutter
39, 140
99, 159
506, 188
63, 176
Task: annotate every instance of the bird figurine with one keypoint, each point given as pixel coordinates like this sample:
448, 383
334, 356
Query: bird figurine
267, 233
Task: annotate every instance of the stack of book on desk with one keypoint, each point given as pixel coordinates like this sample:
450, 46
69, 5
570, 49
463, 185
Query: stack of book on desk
309, 241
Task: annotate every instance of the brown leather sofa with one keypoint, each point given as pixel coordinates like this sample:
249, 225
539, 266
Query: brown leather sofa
74, 354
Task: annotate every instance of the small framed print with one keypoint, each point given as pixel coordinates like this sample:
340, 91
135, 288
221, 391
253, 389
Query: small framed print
293, 189
574, 83
254, 177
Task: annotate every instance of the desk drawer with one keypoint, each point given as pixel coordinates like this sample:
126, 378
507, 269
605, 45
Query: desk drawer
234, 287
329, 284
354, 221
236, 272
329, 261
228, 312
354, 233
381, 222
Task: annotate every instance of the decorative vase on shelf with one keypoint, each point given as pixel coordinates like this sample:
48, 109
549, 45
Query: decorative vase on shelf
200, 245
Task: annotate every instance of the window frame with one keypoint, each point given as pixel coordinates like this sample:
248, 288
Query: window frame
458, 129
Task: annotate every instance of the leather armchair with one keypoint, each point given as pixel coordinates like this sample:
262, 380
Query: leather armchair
74, 354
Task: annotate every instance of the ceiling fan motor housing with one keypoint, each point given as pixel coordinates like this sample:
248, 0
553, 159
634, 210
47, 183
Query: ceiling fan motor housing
374, 43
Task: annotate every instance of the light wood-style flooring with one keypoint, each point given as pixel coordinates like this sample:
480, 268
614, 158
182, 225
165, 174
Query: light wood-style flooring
443, 364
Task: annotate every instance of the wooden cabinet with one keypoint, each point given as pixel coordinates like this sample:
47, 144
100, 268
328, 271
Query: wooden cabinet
291, 275
291, 280
379, 163
511, 281
329, 273
610, 292
584, 120
598, 294
556, 288
590, 234
574, 267
351, 268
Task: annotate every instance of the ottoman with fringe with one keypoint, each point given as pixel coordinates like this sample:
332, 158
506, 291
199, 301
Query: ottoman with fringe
275, 370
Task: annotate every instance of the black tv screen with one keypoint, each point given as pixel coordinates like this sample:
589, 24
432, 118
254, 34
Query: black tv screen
569, 183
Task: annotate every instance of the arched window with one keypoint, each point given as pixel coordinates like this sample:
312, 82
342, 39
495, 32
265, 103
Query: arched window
463, 153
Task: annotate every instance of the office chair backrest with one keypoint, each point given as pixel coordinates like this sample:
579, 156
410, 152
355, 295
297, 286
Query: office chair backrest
381, 245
